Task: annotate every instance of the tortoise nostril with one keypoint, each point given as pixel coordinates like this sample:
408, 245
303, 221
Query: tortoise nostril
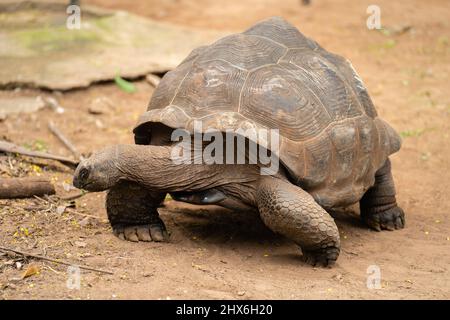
84, 174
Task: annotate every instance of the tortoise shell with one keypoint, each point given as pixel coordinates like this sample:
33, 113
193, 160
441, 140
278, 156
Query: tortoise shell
273, 77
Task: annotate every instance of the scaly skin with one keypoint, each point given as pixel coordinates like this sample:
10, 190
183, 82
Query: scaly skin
139, 176
292, 212
132, 213
379, 208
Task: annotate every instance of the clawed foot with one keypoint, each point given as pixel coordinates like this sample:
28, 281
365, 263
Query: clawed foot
321, 257
391, 219
146, 232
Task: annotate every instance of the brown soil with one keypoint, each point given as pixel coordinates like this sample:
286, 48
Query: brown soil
214, 253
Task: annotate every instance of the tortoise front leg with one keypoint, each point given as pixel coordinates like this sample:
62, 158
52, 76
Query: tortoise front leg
292, 212
378, 206
132, 212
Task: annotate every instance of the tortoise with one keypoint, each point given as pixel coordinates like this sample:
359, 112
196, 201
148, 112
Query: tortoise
333, 148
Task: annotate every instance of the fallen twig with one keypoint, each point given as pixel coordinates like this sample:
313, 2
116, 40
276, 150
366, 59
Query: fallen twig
153, 79
35, 208
27, 254
12, 148
73, 197
69, 145
11, 188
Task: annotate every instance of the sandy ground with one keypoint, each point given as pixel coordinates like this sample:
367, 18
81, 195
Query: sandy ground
214, 253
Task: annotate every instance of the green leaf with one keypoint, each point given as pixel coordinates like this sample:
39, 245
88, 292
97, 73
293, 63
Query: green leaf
389, 44
124, 84
40, 145
412, 133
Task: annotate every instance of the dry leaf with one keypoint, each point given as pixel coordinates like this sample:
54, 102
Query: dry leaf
31, 270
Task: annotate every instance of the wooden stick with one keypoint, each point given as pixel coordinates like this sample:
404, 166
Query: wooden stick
11, 188
34, 208
69, 145
153, 79
73, 197
12, 148
26, 254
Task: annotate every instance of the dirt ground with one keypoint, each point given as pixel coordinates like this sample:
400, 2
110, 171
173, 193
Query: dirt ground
214, 253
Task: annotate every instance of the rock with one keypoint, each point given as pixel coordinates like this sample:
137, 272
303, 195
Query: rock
109, 39
99, 124
60, 209
100, 106
338, 277
85, 222
20, 105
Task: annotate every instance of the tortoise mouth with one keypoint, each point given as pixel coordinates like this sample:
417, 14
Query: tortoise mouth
88, 186
78, 183
80, 178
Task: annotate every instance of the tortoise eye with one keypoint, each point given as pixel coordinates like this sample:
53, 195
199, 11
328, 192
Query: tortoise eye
84, 174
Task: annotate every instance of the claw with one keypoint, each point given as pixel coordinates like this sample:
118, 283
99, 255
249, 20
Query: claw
153, 232
130, 234
391, 219
322, 257
143, 234
157, 233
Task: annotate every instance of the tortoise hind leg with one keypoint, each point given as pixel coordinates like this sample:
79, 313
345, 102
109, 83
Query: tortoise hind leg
132, 212
378, 206
293, 213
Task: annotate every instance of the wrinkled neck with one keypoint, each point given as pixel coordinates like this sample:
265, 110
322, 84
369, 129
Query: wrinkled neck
153, 167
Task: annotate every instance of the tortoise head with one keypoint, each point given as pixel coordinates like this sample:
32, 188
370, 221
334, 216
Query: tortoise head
100, 171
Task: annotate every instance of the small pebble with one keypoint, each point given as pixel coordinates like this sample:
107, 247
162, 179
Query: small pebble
85, 222
80, 244
60, 209
99, 106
